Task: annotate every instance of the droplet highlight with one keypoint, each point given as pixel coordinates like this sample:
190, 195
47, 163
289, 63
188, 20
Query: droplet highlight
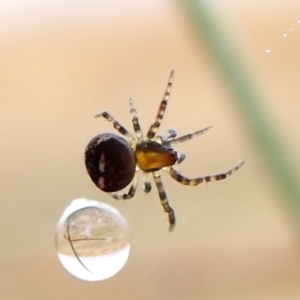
92, 240
268, 50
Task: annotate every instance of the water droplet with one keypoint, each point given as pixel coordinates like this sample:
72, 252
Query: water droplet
92, 240
284, 35
268, 50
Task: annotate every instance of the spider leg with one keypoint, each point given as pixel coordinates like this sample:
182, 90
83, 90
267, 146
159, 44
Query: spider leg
116, 125
130, 193
164, 200
147, 183
189, 136
195, 181
135, 121
161, 111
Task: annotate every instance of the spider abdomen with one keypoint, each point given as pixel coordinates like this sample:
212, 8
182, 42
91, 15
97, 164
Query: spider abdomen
110, 162
152, 156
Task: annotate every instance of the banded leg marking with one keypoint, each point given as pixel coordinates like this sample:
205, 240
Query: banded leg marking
147, 183
116, 125
161, 111
135, 121
164, 200
195, 181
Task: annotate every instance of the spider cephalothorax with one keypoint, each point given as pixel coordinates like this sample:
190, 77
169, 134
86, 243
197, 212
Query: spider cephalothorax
112, 161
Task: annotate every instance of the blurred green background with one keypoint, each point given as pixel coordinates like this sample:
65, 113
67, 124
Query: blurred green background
62, 62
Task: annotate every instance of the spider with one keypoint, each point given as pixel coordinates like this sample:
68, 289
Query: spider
113, 161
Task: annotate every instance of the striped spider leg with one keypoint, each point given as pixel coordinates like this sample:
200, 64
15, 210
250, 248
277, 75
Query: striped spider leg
209, 178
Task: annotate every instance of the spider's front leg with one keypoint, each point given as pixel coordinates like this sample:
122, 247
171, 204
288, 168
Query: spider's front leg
195, 181
164, 200
147, 183
187, 137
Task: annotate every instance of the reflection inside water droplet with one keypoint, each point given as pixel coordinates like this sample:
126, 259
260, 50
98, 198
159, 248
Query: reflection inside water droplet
92, 240
284, 35
268, 50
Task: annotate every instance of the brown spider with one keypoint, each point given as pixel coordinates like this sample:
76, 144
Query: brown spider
112, 161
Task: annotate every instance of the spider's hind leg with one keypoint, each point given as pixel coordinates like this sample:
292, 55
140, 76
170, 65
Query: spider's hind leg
130, 193
135, 121
116, 125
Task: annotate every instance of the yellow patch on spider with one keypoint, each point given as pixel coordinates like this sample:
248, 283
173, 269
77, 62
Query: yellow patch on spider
152, 156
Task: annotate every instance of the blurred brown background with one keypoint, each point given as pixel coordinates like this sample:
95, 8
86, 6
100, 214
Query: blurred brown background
61, 62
